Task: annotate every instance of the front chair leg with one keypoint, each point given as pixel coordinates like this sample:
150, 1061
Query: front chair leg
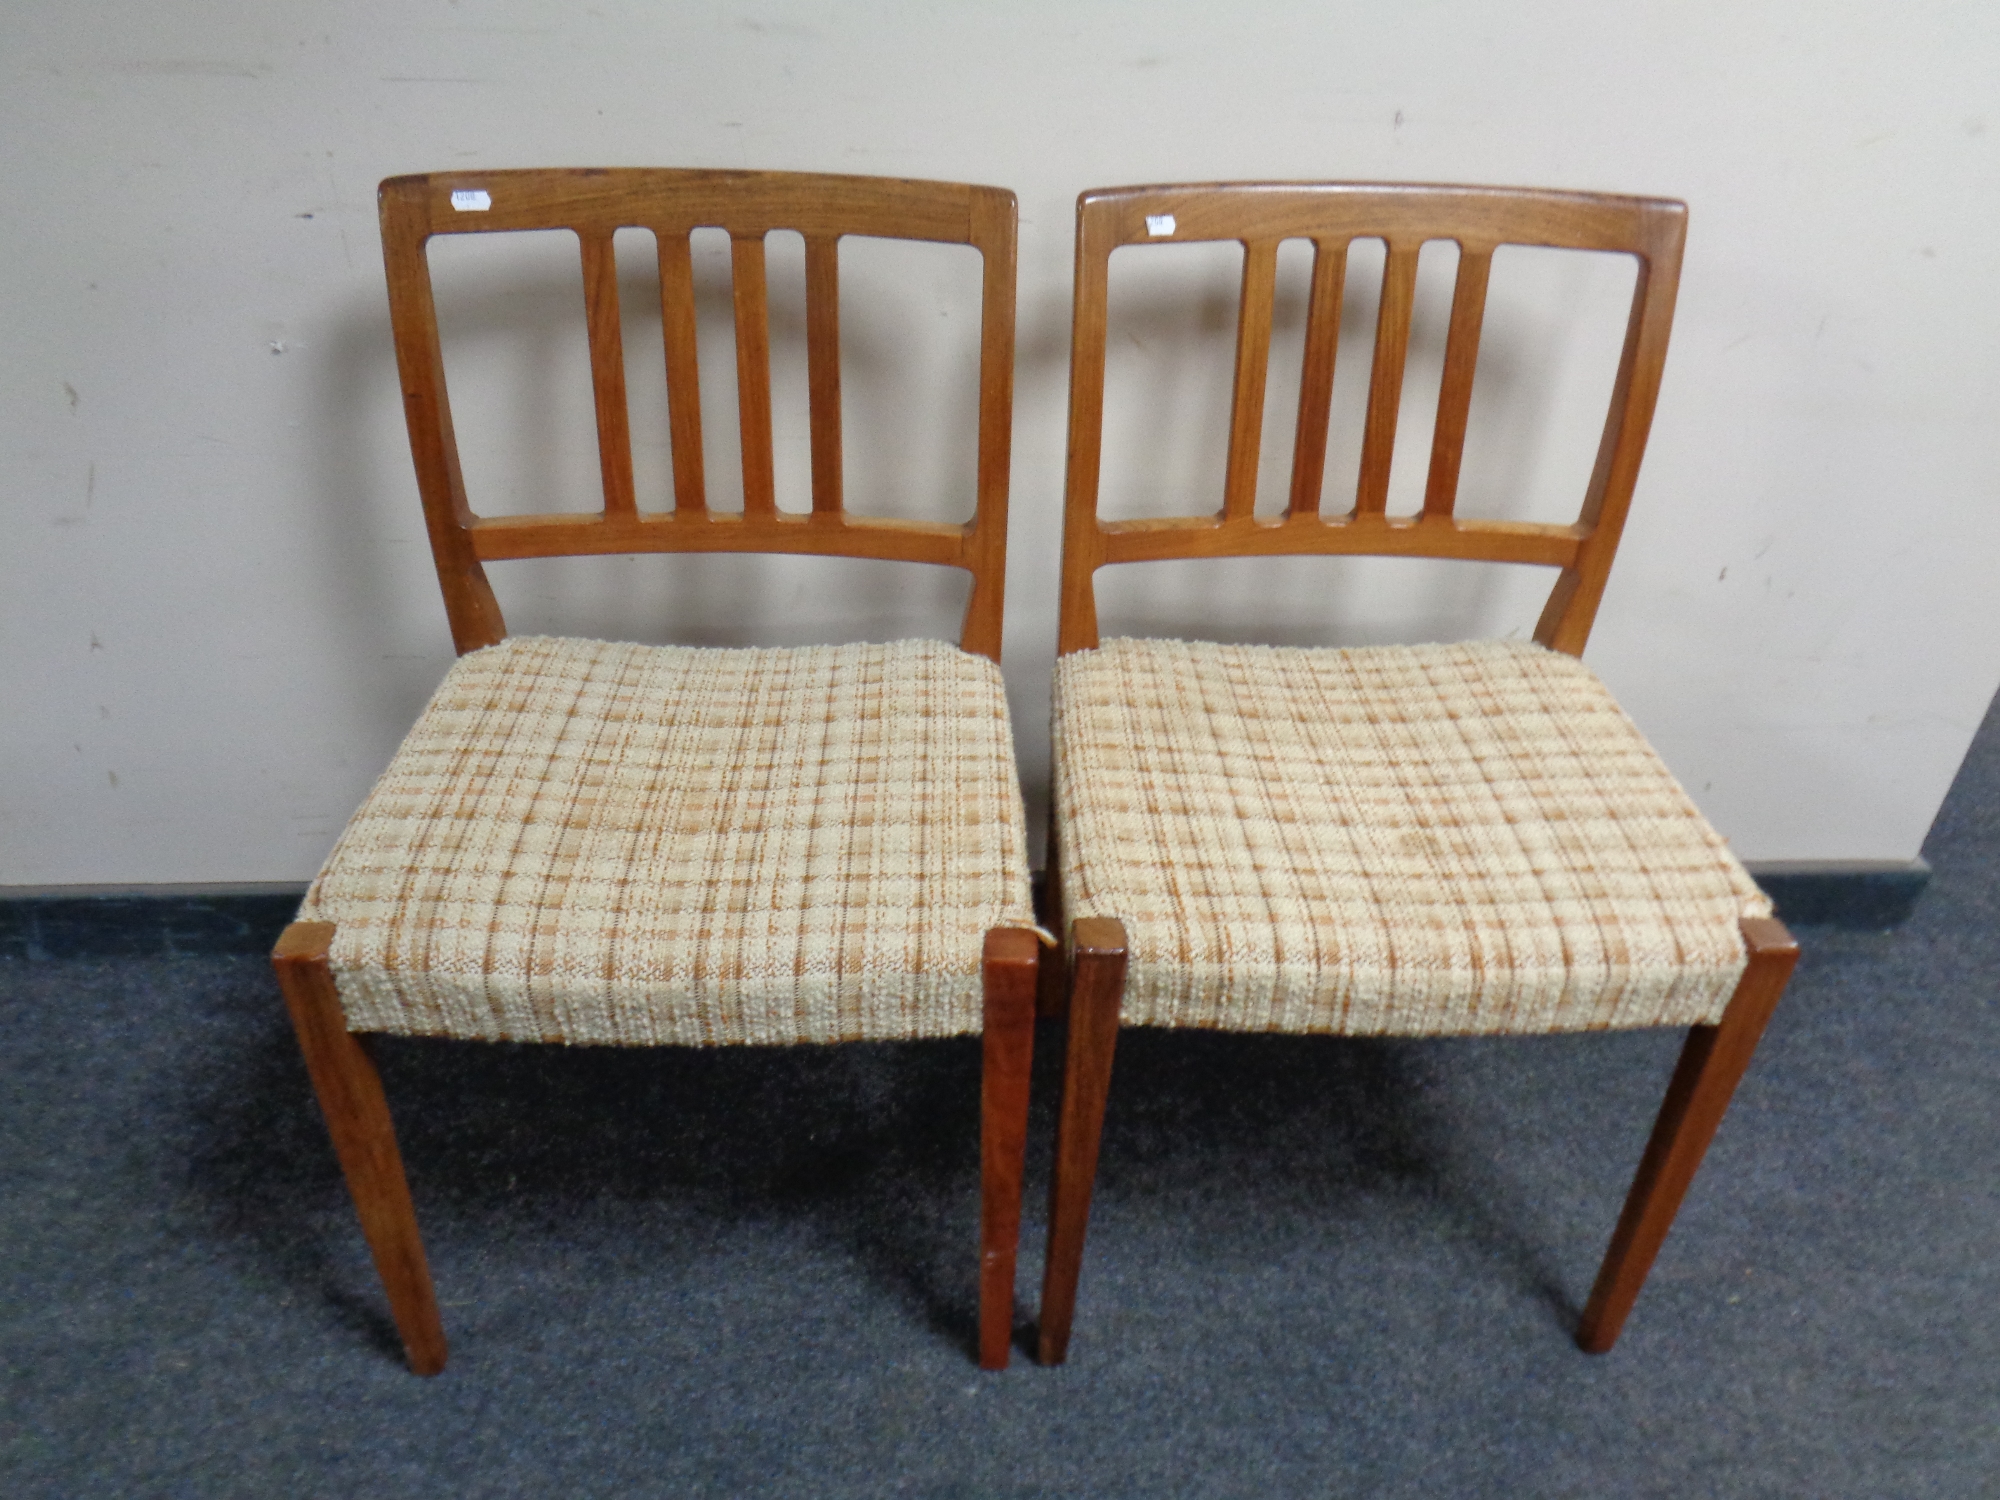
357, 1117
1097, 985
1008, 972
1711, 1064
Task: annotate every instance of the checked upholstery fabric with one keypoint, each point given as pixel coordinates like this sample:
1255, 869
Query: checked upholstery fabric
1414, 840
592, 842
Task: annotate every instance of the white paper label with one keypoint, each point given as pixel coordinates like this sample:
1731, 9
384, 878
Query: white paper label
1159, 224
474, 200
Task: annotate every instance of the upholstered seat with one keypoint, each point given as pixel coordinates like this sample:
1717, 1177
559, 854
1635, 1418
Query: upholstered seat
583, 841
1402, 840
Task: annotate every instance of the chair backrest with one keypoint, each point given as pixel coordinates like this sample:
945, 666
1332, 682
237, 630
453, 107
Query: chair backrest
595, 204
1331, 215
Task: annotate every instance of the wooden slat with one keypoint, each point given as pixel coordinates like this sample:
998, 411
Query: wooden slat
1329, 289
1253, 362
1572, 606
683, 371
1348, 210
823, 368
560, 535
1461, 358
1158, 538
607, 370
468, 597
681, 199
1385, 383
1083, 538
753, 371
990, 226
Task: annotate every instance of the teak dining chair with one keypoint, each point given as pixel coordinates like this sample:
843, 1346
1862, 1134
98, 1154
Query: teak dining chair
588, 842
1389, 840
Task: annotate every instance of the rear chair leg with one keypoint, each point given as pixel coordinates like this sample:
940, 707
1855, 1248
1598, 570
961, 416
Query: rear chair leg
1711, 1064
1052, 994
1097, 985
1008, 972
357, 1117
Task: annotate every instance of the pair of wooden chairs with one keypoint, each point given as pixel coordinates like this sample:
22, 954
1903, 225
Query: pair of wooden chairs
587, 842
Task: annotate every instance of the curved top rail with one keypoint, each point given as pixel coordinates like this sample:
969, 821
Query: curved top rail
673, 199
1396, 211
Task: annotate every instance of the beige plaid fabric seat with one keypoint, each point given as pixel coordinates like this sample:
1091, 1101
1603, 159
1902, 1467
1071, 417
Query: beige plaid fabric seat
1411, 840
588, 842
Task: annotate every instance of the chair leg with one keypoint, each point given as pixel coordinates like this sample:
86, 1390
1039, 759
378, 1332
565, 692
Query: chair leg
1097, 984
357, 1117
1009, 969
1711, 1064
1052, 993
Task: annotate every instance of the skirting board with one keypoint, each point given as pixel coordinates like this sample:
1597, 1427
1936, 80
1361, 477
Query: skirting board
143, 921
1855, 895
186, 921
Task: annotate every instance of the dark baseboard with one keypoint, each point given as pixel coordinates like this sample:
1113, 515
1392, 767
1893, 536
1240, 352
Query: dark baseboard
191, 921
143, 921
1856, 895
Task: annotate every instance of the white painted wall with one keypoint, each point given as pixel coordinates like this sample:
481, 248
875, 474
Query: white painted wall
216, 614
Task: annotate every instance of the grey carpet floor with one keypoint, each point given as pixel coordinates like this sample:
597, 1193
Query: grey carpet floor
1315, 1268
